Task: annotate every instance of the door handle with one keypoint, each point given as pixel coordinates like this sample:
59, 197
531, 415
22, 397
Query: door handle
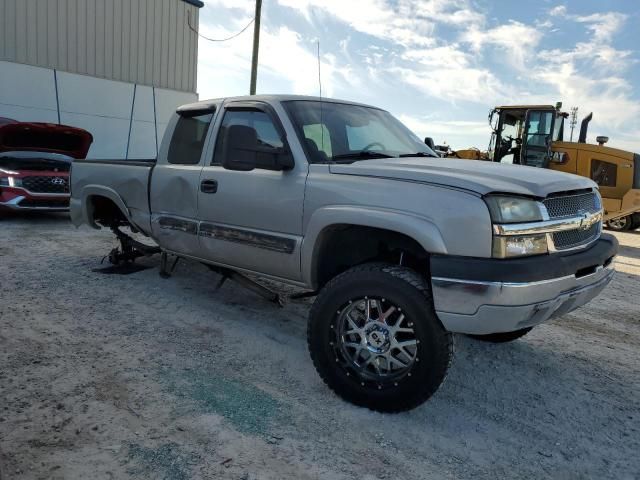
209, 186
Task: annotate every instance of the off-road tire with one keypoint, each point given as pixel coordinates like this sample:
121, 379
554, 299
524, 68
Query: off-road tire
503, 337
405, 288
621, 224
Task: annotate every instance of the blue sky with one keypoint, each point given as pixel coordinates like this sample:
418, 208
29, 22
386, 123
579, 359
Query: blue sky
438, 65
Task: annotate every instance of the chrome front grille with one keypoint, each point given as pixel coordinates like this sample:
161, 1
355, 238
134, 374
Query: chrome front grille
576, 238
572, 206
42, 184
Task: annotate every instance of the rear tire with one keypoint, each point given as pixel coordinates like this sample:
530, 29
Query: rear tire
502, 337
375, 339
635, 221
620, 224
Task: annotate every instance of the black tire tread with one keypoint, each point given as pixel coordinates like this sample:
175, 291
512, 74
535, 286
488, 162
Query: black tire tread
418, 282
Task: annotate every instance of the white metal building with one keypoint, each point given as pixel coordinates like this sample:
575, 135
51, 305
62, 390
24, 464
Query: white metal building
117, 68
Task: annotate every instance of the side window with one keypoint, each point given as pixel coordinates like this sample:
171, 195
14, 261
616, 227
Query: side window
188, 139
604, 173
268, 135
318, 138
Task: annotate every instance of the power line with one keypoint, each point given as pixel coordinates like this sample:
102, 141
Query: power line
217, 39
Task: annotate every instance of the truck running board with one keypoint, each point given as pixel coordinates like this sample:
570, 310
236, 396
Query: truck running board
247, 283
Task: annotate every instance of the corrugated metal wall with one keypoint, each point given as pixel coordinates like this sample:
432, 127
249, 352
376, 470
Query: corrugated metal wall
140, 41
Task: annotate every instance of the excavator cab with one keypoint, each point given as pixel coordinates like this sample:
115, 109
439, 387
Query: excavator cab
524, 134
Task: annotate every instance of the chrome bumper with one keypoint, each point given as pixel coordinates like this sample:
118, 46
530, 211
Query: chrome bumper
13, 205
477, 307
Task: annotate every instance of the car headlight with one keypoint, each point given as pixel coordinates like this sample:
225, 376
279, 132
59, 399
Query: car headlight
10, 182
505, 209
519, 246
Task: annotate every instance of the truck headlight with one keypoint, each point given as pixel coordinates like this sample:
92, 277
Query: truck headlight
508, 210
505, 209
519, 246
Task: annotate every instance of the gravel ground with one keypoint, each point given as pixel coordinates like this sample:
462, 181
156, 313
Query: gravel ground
134, 376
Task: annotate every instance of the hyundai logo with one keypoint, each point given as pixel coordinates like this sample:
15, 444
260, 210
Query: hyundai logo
58, 181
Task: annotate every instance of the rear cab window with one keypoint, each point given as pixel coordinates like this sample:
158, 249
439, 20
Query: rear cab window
188, 139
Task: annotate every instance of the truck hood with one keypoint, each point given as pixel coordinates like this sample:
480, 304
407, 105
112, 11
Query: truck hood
473, 175
44, 138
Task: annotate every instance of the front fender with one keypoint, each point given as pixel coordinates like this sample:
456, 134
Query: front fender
419, 228
81, 206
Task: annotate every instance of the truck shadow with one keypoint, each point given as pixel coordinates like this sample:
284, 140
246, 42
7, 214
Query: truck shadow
556, 399
627, 251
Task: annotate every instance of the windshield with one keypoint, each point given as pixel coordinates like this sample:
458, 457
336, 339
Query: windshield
343, 132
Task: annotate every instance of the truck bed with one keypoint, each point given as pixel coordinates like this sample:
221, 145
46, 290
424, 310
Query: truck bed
123, 181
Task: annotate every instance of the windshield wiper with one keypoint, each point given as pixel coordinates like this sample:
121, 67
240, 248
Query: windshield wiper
418, 154
361, 155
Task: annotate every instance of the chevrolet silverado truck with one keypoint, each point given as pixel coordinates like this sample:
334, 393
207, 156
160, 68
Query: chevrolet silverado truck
400, 248
35, 159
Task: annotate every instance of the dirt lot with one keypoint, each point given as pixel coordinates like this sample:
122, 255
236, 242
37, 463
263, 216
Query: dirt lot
134, 376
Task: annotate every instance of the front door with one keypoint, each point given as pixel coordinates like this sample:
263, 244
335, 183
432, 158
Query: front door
252, 220
537, 137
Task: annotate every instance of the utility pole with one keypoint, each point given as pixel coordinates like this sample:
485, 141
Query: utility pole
573, 121
256, 46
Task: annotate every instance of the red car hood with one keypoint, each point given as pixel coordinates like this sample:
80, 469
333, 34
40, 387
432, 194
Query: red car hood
44, 137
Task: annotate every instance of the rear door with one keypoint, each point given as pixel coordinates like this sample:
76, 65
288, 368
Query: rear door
253, 220
537, 137
174, 181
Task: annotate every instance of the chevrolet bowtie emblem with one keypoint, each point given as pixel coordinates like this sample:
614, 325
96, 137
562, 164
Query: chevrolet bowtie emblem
589, 219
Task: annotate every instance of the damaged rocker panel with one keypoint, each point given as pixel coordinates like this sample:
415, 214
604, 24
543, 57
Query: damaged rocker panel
275, 243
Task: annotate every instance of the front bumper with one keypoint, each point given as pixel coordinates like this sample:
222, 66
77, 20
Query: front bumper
39, 203
484, 296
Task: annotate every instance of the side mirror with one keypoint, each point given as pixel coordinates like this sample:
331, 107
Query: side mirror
244, 152
430, 143
240, 145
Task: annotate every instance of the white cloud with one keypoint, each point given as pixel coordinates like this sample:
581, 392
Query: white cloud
454, 83
603, 25
456, 133
248, 6
516, 41
373, 17
591, 76
408, 55
224, 68
558, 11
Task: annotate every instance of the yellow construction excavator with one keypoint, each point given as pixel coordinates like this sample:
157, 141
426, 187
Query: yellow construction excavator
534, 135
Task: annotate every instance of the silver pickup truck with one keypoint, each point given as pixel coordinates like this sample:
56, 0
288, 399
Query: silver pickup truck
400, 248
